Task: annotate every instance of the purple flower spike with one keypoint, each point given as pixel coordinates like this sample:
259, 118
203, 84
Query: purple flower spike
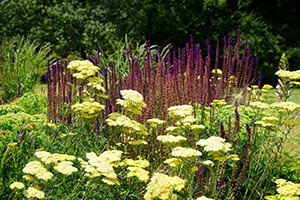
229, 39
191, 38
31, 137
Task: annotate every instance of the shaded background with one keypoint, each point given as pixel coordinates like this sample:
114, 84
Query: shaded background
77, 27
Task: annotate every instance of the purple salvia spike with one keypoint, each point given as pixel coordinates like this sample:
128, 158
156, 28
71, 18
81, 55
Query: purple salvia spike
229, 39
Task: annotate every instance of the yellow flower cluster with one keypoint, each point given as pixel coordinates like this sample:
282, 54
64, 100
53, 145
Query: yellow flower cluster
138, 172
185, 152
170, 138
204, 198
65, 167
129, 125
214, 144
197, 127
136, 163
83, 68
297, 83
136, 168
287, 190
102, 165
34, 192
155, 122
268, 122
17, 185
133, 101
187, 121
218, 103
290, 123
293, 75
181, 111
219, 72
137, 142
89, 108
172, 129
36, 168
267, 87
208, 163
162, 186
285, 106
96, 83
173, 162
260, 105
48, 158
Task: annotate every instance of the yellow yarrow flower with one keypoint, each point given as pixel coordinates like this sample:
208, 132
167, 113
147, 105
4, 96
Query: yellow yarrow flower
287, 190
117, 119
260, 105
65, 167
88, 109
110, 181
162, 186
204, 198
170, 138
34, 192
208, 163
215, 144
136, 163
293, 75
218, 103
138, 172
83, 69
17, 185
285, 106
181, 111
155, 122
28, 177
173, 162
137, 142
185, 152
36, 168
267, 87
133, 101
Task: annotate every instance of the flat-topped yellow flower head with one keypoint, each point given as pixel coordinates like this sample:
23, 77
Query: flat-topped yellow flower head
132, 101
185, 152
214, 144
162, 186
179, 112
83, 69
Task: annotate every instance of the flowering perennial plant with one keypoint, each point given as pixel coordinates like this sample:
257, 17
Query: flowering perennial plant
34, 192
162, 186
185, 152
170, 138
83, 69
36, 168
102, 165
287, 190
17, 185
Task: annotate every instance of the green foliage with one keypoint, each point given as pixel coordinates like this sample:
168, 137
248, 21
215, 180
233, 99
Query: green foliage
16, 122
72, 27
31, 103
22, 64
